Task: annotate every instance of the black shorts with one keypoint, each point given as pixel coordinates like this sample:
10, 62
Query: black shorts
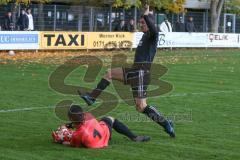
109, 123
139, 80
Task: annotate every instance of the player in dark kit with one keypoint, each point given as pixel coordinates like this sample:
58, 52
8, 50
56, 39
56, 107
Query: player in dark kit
138, 76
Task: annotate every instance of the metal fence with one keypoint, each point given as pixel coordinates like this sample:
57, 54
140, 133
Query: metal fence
83, 18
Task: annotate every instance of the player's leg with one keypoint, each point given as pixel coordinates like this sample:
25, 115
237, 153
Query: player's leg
113, 74
121, 128
151, 112
139, 89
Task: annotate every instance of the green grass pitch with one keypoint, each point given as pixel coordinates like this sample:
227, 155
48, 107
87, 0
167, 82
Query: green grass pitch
204, 105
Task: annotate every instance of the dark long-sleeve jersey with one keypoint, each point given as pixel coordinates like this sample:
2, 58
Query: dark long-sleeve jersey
147, 46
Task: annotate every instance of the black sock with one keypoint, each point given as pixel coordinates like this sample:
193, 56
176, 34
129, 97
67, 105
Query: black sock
100, 87
152, 113
123, 129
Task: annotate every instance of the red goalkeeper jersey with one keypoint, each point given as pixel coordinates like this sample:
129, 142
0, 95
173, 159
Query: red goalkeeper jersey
91, 134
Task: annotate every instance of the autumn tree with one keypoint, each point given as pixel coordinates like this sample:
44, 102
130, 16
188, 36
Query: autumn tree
22, 1
233, 6
176, 6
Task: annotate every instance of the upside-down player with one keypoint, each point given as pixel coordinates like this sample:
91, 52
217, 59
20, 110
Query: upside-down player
139, 75
89, 132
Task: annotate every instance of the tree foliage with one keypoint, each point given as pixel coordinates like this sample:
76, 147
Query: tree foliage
22, 1
175, 6
233, 6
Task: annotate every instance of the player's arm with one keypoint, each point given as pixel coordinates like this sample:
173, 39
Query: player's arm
150, 23
76, 140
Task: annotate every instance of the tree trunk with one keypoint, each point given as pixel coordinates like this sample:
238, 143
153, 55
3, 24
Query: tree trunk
214, 18
216, 9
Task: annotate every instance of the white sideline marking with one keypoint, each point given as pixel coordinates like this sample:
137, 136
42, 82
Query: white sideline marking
25, 109
200, 93
174, 95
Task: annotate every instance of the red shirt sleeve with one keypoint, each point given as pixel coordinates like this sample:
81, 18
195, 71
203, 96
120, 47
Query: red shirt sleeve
76, 140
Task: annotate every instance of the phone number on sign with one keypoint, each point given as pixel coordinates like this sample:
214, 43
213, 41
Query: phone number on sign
112, 44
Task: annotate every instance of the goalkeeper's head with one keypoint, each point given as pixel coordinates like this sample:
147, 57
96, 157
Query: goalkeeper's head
76, 114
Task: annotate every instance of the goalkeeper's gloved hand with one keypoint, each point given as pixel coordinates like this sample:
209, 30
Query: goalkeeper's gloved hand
62, 135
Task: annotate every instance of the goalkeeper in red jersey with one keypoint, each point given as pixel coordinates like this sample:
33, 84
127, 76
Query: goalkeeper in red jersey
85, 131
